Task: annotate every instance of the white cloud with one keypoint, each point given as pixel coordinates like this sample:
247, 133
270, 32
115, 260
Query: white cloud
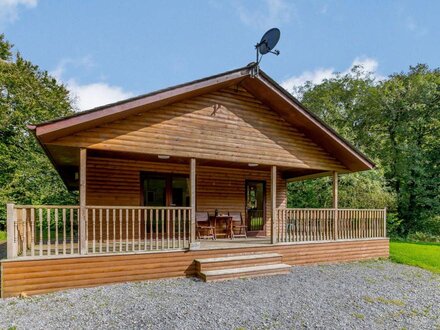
9, 9
88, 96
272, 13
369, 66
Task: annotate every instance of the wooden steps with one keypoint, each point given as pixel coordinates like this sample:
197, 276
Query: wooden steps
240, 266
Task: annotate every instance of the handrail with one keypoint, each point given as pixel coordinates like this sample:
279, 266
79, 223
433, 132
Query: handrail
139, 207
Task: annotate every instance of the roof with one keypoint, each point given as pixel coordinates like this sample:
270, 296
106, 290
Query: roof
260, 85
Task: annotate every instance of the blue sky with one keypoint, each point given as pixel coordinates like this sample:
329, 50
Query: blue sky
107, 50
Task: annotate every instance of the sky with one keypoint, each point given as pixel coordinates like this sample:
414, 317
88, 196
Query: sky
105, 50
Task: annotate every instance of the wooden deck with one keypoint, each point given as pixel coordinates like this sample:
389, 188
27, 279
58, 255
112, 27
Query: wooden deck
235, 243
36, 276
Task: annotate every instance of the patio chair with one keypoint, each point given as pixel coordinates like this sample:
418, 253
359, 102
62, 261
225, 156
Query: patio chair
238, 225
204, 228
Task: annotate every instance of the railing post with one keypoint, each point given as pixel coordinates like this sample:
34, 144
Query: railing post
11, 225
82, 244
273, 195
193, 245
335, 204
385, 222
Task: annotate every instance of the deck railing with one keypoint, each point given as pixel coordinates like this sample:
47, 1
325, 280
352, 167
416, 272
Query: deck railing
303, 225
41, 231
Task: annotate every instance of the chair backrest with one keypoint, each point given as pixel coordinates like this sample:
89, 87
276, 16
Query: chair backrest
202, 216
236, 216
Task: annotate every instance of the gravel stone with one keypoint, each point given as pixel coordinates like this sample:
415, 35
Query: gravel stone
360, 295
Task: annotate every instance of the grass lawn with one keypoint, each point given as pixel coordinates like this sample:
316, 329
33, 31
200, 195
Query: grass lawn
2, 235
423, 255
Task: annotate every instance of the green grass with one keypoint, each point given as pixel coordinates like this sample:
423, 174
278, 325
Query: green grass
2, 235
423, 255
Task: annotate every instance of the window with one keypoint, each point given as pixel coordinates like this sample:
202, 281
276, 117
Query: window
165, 189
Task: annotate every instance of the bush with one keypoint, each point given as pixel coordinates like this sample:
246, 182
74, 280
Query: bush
419, 236
394, 226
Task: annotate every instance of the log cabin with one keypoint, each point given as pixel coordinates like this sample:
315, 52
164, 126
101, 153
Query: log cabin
190, 180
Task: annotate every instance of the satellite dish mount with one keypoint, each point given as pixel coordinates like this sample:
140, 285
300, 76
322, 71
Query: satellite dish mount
267, 45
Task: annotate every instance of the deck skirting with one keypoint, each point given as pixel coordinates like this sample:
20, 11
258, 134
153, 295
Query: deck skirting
36, 276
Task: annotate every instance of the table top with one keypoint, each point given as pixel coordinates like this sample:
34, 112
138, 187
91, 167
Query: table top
220, 216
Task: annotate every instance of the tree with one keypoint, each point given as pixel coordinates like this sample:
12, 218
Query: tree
408, 122
27, 95
396, 122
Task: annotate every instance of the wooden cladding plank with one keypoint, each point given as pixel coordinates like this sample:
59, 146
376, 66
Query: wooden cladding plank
225, 125
47, 275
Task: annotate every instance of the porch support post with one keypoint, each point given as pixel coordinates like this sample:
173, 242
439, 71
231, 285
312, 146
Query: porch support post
273, 204
193, 245
82, 201
11, 224
335, 204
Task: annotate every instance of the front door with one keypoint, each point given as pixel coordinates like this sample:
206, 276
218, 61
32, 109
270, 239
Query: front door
256, 207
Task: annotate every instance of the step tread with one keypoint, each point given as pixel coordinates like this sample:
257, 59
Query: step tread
239, 257
240, 270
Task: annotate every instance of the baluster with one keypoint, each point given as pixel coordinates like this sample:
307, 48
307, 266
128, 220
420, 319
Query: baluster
167, 223
179, 218
100, 230
282, 226
145, 229
56, 231
94, 231
24, 226
162, 217
63, 212
133, 239
48, 232
321, 231
32, 232
120, 230
157, 229
107, 214
127, 219
174, 228
151, 229
139, 229
71, 232
184, 227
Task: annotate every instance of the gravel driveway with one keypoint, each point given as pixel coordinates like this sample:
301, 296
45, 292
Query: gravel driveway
363, 295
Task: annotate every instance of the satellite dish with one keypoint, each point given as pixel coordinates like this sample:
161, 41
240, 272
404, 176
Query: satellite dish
267, 45
269, 41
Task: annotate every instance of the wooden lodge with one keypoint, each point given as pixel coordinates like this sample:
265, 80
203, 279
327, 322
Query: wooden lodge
188, 181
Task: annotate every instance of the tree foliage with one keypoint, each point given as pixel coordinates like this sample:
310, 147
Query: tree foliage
27, 95
396, 122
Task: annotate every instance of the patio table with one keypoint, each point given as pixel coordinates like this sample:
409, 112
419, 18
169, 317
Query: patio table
220, 218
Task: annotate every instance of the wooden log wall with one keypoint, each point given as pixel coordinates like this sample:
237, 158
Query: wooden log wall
116, 182
47, 275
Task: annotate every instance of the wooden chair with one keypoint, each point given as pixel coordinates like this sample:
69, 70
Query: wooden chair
203, 226
237, 224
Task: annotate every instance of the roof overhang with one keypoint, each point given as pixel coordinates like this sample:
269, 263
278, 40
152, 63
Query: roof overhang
48, 131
